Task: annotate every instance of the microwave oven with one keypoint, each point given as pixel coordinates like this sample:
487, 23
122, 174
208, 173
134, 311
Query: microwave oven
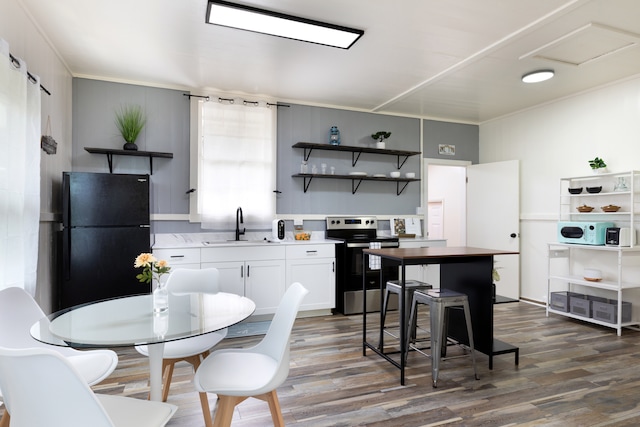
582, 232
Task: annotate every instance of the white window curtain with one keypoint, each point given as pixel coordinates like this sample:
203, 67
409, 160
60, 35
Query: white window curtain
19, 173
237, 164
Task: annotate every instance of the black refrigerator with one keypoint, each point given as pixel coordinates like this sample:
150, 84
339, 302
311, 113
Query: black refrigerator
105, 226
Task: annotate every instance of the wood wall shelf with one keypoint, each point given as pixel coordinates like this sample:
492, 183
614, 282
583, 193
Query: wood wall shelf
110, 153
355, 151
356, 180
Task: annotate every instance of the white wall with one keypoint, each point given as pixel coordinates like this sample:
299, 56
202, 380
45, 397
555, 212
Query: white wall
26, 41
556, 140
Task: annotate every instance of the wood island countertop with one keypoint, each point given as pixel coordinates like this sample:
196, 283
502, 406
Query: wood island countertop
407, 254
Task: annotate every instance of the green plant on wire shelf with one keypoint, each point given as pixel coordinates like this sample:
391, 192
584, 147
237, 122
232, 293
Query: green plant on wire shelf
130, 120
597, 163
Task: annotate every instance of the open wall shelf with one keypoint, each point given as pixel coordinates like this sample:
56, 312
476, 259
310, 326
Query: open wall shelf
356, 180
110, 153
355, 151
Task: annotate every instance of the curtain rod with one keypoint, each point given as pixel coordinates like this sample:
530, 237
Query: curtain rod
31, 77
231, 100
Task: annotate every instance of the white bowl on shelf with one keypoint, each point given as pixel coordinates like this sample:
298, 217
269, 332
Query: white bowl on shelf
410, 175
592, 274
394, 174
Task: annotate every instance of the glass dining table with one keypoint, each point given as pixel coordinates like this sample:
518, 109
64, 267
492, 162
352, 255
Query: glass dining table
131, 321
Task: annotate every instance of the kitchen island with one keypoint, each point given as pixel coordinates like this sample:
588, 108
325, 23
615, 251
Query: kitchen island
463, 269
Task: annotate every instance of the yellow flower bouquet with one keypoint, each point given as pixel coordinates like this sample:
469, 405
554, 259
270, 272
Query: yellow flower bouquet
152, 268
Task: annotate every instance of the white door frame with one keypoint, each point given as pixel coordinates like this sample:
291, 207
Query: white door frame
424, 197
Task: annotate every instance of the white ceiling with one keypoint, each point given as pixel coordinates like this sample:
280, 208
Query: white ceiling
455, 60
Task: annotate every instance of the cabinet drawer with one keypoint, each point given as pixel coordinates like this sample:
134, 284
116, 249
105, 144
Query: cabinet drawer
244, 253
407, 243
311, 251
178, 256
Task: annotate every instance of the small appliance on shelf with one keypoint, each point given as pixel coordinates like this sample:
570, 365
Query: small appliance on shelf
584, 233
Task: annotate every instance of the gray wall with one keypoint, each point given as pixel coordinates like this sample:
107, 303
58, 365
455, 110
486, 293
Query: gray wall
300, 123
167, 130
464, 137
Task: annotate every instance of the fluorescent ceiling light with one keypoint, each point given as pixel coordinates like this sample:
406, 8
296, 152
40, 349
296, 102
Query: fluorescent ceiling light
278, 24
537, 76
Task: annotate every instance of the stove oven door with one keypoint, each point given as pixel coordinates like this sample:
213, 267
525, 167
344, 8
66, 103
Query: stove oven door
350, 290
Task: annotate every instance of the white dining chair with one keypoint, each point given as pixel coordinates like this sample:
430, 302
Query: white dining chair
191, 350
18, 312
237, 374
42, 388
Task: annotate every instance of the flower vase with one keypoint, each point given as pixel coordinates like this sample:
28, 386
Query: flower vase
160, 296
161, 324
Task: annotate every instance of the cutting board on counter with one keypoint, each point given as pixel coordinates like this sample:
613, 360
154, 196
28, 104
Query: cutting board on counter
404, 226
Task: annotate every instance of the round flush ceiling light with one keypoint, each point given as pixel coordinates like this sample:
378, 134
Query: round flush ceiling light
537, 76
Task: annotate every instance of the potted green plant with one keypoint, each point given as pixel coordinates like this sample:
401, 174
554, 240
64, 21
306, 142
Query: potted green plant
130, 120
598, 165
380, 137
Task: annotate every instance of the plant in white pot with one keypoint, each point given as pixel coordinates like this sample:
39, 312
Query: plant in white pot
598, 165
380, 137
130, 120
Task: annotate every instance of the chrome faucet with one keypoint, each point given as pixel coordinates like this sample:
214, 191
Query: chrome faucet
239, 220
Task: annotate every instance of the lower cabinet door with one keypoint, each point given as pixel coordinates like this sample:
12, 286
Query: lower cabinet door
319, 277
264, 284
231, 276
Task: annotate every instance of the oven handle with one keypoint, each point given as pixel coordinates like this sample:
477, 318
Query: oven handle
366, 245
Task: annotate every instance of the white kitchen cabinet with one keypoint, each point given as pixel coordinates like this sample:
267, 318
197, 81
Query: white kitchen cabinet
424, 273
264, 284
257, 272
180, 257
262, 271
232, 274
314, 266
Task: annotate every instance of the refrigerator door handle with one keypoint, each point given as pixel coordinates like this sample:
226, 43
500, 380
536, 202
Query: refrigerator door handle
66, 251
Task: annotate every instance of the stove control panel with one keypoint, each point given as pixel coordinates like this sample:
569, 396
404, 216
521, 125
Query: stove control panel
351, 223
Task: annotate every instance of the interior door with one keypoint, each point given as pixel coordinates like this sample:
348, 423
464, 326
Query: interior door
436, 219
493, 218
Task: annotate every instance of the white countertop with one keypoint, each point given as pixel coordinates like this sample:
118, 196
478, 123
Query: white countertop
208, 240
420, 239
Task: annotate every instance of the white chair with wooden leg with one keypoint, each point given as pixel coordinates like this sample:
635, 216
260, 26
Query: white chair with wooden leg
18, 312
237, 374
191, 350
42, 388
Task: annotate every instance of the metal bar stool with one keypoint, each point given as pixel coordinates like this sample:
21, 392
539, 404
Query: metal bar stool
439, 300
394, 287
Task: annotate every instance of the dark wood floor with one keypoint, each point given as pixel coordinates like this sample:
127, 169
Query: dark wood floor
571, 373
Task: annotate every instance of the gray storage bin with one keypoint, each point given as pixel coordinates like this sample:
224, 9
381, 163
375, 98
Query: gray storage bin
560, 300
607, 311
582, 305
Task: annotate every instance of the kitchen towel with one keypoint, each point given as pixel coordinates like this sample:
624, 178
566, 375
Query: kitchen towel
374, 260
